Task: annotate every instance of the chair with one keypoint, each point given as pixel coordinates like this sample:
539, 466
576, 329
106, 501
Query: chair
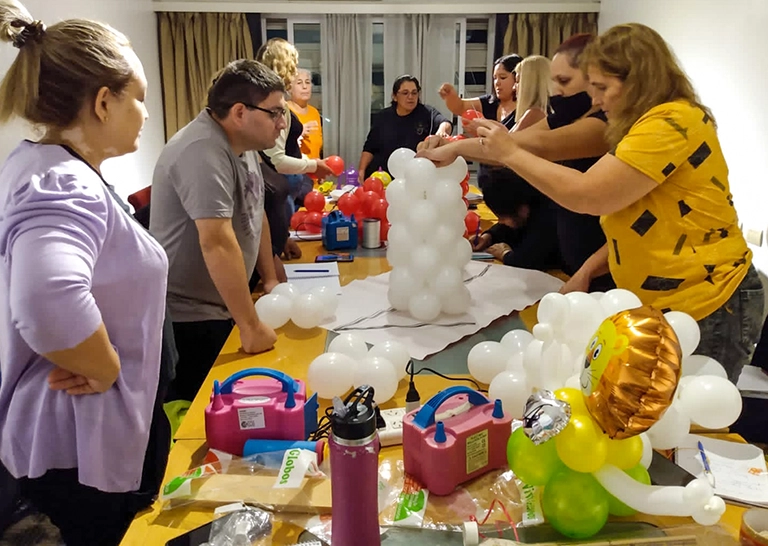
141, 198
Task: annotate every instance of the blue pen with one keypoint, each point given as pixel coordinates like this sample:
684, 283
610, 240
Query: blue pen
707, 469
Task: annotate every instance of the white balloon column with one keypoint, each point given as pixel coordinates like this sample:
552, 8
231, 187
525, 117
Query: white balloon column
349, 364
426, 244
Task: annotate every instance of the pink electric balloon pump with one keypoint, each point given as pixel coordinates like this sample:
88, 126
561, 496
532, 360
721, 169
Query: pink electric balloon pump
272, 407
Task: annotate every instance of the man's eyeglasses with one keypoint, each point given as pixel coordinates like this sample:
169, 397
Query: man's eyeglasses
408, 93
275, 114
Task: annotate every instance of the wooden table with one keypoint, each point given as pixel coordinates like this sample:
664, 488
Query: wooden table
294, 350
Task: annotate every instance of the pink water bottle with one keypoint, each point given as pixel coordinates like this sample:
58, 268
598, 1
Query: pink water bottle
354, 449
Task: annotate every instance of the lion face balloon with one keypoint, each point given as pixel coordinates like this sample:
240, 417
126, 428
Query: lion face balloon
631, 370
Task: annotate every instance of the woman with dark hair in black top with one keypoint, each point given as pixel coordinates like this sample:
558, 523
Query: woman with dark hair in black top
403, 124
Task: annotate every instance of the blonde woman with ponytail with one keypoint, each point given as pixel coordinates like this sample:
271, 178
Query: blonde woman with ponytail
532, 88
82, 285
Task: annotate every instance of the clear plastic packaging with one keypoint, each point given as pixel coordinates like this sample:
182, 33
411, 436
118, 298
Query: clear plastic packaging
241, 528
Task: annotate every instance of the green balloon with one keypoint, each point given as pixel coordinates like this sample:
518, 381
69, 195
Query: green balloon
575, 503
533, 464
618, 508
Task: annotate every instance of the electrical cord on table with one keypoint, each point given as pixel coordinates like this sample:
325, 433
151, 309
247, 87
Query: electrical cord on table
413, 399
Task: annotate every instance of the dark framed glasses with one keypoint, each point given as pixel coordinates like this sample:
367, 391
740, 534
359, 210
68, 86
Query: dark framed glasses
275, 114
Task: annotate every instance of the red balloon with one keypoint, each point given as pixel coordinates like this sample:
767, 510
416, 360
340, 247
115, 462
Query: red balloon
348, 204
336, 164
472, 221
373, 184
466, 203
454, 138
464, 187
370, 198
297, 220
313, 223
466, 178
472, 114
384, 233
359, 193
314, 201
379, 210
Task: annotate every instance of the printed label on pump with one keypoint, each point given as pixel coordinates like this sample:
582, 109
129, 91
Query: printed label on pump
251, 418
477, 451
342, 234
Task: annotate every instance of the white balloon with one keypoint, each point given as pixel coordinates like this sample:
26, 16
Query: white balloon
462, 253
574, 382
512, 390
698, 492
710, 401
543, 332
515, 362
398, 161
687, 330
402, 286
380, 374
710, 513
550, 365
307, 311
420, 176
443, 237
395, 352
349, 344
565, 365
424, 305
617, 300
584, 318
702, 365
286, 289
517, 340
532, 362
397, 213
274, 310
447, 281
331, 374
457, 303
669, 431
399, 256
553, 309
396, 193
486, 360
424, 261
398, 237
444, 194
647, 457
455, 172
329, 298
422, 218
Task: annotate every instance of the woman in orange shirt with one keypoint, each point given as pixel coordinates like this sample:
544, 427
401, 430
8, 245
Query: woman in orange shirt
312, 136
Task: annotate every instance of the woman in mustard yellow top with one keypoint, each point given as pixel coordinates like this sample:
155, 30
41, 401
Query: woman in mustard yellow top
672, 232
312, 136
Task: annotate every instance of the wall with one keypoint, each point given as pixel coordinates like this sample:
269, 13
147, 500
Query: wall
721, 45
137, 20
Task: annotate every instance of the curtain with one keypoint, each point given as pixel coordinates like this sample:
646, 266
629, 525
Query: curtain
193, 47
541, 33
346, 58
423, 46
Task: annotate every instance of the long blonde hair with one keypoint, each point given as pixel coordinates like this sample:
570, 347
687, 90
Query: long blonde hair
651, 75
282, 57
59, 68
533, 90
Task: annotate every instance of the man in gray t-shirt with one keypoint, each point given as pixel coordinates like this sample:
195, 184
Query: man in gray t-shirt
208, 213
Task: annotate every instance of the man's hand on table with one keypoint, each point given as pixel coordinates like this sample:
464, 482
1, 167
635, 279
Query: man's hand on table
257, 338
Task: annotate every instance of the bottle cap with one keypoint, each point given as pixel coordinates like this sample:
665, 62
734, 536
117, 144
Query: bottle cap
471, 533
355, 418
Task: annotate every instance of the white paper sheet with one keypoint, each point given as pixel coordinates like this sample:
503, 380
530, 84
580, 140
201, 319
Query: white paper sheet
499, 291
307, 276
753, 382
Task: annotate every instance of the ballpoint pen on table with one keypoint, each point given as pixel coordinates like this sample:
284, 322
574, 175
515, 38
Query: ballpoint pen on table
707, 468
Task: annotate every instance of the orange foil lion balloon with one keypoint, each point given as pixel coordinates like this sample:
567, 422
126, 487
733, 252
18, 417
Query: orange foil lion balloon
631, 370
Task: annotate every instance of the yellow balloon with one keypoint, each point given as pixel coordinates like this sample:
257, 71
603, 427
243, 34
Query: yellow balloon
582, 446
574, 397
625, 454
383, 176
